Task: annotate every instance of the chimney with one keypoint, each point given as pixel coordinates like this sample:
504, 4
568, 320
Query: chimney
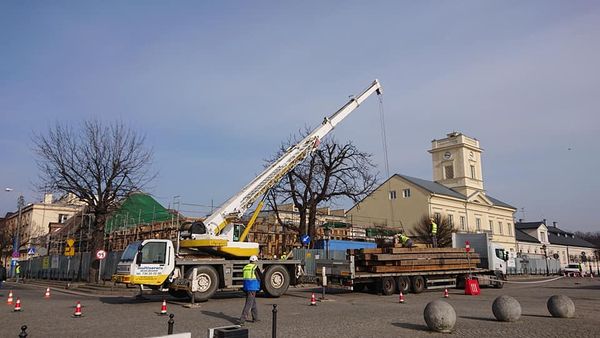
520, 220
544, 221
554, 224
47, 198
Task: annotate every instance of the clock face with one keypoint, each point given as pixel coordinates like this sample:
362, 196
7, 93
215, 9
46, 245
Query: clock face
447, 155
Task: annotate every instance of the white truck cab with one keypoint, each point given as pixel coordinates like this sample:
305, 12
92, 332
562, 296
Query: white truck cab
148, 262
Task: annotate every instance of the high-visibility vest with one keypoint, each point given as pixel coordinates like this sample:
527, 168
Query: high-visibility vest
433, 228
403, 239
251, 283
18, 269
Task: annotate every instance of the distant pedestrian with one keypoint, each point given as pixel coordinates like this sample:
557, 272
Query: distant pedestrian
18, 271
2, 275
252, 277
580, 270
434, 230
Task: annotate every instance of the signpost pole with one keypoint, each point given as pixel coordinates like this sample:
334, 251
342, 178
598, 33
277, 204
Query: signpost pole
100, 271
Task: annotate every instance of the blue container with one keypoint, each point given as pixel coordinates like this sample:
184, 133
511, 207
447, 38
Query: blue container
336, 244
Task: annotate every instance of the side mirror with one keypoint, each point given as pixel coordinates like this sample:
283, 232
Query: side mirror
138, 257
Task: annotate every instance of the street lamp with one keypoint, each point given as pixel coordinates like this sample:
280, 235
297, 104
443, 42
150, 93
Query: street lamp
546, 258
16, 239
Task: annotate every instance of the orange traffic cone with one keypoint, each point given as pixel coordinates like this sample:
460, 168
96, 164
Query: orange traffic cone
446, 293
313, 300
10, 298
77, 313
47, 294
401, 299
17, 305
163, 308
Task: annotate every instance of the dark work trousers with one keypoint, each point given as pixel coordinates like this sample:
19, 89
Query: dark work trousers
434, 240
250, 306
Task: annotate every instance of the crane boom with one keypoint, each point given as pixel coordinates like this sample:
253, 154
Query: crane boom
217, 228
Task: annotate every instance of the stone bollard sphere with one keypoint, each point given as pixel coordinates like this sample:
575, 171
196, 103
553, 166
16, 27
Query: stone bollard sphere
440, 316
561, 306
506, 309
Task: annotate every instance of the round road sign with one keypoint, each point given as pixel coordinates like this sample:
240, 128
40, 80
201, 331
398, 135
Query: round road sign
101, 254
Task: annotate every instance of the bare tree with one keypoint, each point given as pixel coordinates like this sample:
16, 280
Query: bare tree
333, 172
421, 232
98, 163
592, 237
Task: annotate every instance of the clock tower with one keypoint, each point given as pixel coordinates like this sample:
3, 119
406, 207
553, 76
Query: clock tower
457, 163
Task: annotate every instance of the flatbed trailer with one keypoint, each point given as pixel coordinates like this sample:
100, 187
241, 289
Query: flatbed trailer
343, 274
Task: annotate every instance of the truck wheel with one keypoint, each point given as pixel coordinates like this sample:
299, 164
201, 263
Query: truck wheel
417, 284
499, 276
206, 282
388, 286
277, 280
178, 293
403, 284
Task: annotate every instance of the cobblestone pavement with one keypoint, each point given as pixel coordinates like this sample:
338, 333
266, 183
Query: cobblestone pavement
342, 315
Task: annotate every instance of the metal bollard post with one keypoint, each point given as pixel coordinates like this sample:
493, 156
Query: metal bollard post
23, 334
170, 323
274, 331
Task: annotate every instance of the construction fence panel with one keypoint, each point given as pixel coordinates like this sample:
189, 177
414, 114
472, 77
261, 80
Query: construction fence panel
73, 268
533, 266
308, 257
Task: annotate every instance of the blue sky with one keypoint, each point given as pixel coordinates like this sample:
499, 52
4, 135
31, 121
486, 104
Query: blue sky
217, 86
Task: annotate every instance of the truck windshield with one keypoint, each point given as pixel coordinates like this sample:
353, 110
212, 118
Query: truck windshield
130, 251
500, 253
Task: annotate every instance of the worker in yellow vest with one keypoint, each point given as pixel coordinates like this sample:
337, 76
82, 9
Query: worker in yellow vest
18, 271
252, 277
434, 229
403, 240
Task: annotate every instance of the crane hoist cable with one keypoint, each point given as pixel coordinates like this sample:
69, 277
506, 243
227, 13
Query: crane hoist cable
386, 159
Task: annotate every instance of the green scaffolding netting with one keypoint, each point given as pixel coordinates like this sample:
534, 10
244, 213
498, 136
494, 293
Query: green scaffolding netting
137, 209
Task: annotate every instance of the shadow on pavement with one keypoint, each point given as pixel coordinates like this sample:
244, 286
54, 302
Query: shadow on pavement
485, 319
129, 300
538, 316
221, 315
411, 326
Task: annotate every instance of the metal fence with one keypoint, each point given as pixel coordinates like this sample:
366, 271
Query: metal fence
308, 257
533, 266
73, 268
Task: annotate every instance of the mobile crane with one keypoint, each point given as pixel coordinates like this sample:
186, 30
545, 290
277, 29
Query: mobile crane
206, 257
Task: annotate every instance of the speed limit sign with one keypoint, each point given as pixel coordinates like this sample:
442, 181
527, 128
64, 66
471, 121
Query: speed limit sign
101, 254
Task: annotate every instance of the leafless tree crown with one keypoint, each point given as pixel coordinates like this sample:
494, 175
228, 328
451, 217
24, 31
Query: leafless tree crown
99, 163
334, 171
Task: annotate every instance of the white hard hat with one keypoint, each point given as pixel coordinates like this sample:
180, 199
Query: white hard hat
253, 258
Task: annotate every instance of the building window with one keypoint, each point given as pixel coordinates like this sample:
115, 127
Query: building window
393, 194
478, 223
473, 171
542, 236
449, 171
462, 222
509, 229
62, 218
451, 220
406, 193
492, 226
500, 228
